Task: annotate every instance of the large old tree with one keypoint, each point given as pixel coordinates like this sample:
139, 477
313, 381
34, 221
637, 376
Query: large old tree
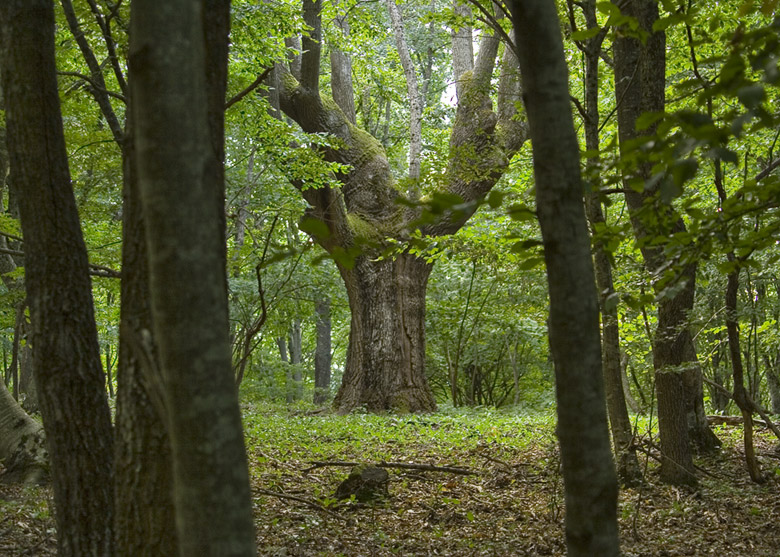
386, 354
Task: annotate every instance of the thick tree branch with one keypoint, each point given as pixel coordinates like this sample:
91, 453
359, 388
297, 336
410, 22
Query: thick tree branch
312, 47
254, 85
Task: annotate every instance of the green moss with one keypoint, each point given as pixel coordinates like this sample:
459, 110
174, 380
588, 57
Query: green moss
362, 228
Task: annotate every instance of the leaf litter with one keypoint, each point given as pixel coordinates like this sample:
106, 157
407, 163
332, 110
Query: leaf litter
513, 505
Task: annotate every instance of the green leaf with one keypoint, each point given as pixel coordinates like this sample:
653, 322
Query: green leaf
314, 227
585, 34
495, 198
751, 96
521, 212
608, 8
531, 263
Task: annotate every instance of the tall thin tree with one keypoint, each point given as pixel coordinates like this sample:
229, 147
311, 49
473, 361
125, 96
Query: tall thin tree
179, 147
66, 357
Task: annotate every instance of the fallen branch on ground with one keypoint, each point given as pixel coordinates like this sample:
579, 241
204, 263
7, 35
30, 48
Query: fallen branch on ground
401, 465
313, 504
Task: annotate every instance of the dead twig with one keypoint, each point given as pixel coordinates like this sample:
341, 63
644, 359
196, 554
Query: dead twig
400, 465
307, 502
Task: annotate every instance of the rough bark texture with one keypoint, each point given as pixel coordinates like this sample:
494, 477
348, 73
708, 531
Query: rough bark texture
380, 374
385, 361
640, 86
178, 142
590, 483
322, 353
145, 515
66, 356
22, 443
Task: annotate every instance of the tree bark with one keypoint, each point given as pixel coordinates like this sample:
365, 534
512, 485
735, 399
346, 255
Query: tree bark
413, 94
341, 75
590, 483
145, 522
145, 514
322, 353
732, 328
386, 354
773, 385
175, 86
66, 357
296, 357
462, 44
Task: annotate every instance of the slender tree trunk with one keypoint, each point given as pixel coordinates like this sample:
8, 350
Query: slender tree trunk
296, 357
386, 355
322, 354
413, 94
281, 344
145, 514
66, 357
773, 384
622, 435
590, 483
640, 86
175, 87
732, 327
341, 75
462, 45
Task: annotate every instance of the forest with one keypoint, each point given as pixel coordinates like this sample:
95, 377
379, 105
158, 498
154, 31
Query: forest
299, 277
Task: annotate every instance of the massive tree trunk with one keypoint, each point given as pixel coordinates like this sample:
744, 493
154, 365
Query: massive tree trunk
178, 94
590, 483
386, 355
640, 86
66, 357
385, 358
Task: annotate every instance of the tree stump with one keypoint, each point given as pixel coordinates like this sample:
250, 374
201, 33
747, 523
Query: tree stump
367, 483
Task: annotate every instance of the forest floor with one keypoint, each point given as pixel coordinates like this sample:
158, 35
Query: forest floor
511, 505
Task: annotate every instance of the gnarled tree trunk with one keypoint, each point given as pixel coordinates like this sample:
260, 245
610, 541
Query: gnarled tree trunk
386, 356
385, 359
